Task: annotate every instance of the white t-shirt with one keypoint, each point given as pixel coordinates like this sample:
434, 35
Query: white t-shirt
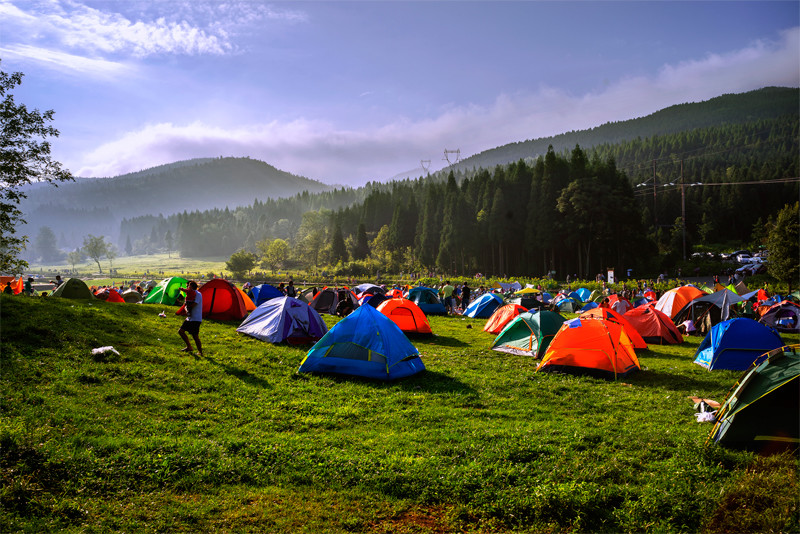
196, 313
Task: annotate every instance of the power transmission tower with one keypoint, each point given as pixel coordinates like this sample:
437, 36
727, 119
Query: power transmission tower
456, 153
426, 164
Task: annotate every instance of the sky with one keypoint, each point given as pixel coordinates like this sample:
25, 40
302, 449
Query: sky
351, 92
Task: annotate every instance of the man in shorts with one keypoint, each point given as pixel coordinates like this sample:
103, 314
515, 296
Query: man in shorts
194, 316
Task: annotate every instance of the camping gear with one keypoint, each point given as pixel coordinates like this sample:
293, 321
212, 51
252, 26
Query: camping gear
591, 346
368, 289
501, 317
783, 317
406, 315
675, 299
610, 315
735, 344
484, 306
654, 326
222, 301
528, 334
167, 291
73, 288
284, 319
762, 411
427, 299
366, 343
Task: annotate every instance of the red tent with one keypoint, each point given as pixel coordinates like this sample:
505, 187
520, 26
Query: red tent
222, 301
501, 317
654, 326
407, 315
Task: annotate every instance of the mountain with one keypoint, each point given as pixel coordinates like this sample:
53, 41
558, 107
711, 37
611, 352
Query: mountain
765, 103
98, 205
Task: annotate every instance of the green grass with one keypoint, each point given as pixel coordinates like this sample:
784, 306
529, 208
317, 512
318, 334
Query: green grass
156, 440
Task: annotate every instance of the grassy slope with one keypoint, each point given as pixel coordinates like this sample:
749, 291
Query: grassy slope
155, 440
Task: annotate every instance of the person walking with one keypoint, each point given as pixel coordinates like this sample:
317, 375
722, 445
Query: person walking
194, 316
465, 294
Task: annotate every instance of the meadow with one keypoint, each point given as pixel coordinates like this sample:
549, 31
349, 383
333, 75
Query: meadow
155, 440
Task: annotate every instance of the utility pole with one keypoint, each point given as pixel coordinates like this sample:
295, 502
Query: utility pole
683, 212
457, 154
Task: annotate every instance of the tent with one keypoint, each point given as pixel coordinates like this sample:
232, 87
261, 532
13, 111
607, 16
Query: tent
610, 315
783, 317
567, 305
373, 300
167, 291
17, 284
111, 295
263, 292
370, 289
673, 300
73, 288
222, 301
307, 295
591, 346
583, 294
529, 334
654, 326
284, 319
501, 317
427, 299
249, 305
327, 300
405, 315
484, 306
735, 344
706, 311
366, 343
762, 410
131, 296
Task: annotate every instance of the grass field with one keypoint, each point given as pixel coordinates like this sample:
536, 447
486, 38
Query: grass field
156, 440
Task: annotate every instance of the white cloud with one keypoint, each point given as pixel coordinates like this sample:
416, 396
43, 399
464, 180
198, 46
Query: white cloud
69, 63
336, 154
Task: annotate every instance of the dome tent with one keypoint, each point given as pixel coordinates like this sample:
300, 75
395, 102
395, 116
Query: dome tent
654, 326
167, 291
73, 288
284, 319
366, 343
484, 306
502, 316
406, 315
735, 344
222, 301
610, 315
529, 334
427, 299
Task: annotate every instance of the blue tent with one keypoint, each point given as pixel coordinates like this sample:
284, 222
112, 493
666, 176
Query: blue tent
736, 344
264, 292
484, 306
284, 319
365, 343
590, 306
427, 299
546, 297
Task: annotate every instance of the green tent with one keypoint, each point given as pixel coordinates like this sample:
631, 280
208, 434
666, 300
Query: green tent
529, 334
167, 291
73, 288
762, 412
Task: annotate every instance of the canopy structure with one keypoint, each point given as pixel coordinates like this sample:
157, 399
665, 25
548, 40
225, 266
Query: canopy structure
762, 410
528, 334
735, 344
591, 346
284, 319
167, 291
406, 315
501, 317
366, 343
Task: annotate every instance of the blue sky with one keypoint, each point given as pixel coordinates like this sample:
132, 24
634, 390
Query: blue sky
350, 92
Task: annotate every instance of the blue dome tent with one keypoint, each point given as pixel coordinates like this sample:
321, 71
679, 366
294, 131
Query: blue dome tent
484, 306
736, 344
366, 343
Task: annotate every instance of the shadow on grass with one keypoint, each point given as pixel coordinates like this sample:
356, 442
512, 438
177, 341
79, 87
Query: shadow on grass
427, 381
443, 341
660, 379
241, 374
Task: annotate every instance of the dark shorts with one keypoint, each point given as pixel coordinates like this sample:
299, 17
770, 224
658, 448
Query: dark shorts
193, 327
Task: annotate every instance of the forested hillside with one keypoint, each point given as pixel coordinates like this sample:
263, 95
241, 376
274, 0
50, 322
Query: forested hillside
87, 205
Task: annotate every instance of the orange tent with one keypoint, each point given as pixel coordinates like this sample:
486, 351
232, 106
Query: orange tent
591, 346
17, 285
407, 315
222, 301
653, 325
610, 315
249, 305
501, 317
675, 299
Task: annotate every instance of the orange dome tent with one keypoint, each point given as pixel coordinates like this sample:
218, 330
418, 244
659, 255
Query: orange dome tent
406, 315
675, 299
654, 326
501, 317
591, 346
610, 315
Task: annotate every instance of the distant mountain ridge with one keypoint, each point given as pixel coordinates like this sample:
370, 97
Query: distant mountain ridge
765, 103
